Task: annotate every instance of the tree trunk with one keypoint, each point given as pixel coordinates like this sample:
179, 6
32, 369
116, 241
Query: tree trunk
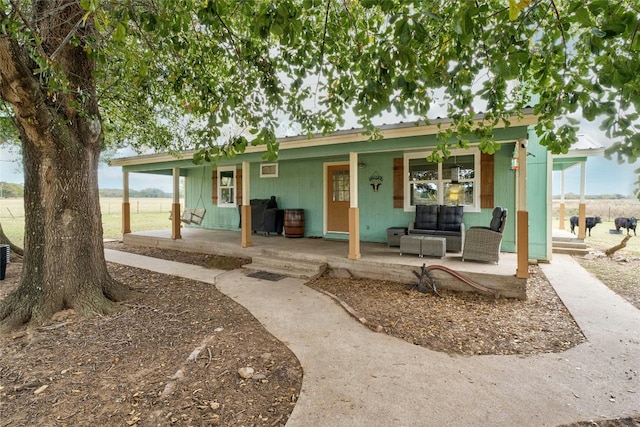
64, 265
17, 250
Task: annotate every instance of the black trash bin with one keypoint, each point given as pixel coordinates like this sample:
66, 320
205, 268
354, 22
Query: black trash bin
4, 259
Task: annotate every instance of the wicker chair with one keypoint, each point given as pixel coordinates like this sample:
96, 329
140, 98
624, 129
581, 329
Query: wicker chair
483, 243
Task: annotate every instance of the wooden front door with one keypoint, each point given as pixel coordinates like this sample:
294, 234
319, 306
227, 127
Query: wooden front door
338, 198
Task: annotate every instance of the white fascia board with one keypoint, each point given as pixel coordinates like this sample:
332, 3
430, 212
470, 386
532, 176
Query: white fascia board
401, 130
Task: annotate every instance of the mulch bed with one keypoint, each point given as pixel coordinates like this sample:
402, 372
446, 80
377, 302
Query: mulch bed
464, 323
171, 357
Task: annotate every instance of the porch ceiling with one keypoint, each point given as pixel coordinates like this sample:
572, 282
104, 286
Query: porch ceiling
578, 153
564, 163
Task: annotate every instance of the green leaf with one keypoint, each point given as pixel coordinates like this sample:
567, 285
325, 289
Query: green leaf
120, 32
613, 29
599, 6
514, 10
386, 5
583, 17
403, 31
89, 5
277, 29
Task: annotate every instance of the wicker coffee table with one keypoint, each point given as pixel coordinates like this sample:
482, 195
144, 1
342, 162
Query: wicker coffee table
433, 246
423, 245
411, 245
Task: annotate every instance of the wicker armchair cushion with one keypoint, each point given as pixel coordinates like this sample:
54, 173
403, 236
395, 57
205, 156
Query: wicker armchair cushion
426, 217
496, 220
450, 218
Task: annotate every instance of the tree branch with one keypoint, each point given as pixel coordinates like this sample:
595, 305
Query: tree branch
66, 39
564, 38
324, 31
609, 252
235, 49
634, 34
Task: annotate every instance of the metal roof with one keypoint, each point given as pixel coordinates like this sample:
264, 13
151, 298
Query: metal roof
586, 144
395, 130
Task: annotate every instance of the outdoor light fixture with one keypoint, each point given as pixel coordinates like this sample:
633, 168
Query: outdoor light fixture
514, 161
455, 174
455, 189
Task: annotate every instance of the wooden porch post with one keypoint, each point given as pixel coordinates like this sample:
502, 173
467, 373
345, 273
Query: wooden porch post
562, 206
175, 207
582, 207
522, 217
354, 211
126, 206
245, 230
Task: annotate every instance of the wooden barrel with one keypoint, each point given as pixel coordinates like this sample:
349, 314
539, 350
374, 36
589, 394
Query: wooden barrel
294, 223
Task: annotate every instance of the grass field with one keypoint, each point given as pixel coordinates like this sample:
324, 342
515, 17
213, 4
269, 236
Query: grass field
608, 210
146, 214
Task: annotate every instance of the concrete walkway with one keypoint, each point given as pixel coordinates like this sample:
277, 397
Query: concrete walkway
356, 377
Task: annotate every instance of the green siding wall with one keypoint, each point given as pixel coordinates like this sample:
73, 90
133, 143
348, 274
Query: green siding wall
298, 186
504, 195
198, 193
376, 208
538, 198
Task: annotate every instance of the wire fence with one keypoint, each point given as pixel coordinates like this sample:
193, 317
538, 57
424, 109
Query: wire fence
14, 207
607, 209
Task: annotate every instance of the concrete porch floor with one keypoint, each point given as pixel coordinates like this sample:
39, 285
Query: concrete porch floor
374, 256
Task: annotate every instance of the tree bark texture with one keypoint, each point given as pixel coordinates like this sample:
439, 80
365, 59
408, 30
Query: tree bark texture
64, 265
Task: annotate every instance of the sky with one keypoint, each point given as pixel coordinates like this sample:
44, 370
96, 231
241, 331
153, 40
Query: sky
108, 177
111, 177
603, 176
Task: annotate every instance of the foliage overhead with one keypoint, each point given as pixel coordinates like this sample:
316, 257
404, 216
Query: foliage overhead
177, 74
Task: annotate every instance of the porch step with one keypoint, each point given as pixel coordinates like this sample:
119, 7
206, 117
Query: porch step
577, 244
287, 266
571, 239
569, 246
570, 251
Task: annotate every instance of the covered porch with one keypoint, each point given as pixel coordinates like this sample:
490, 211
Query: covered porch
377, 261
577, 156
332, 179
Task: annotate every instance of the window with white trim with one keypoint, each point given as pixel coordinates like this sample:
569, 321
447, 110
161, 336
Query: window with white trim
429, 183
227, 186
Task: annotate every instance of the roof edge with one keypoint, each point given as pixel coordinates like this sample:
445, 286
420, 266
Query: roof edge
397, 130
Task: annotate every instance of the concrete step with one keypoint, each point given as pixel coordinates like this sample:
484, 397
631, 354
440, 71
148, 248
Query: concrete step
556, 239
287, 266
571, 251
570, 245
